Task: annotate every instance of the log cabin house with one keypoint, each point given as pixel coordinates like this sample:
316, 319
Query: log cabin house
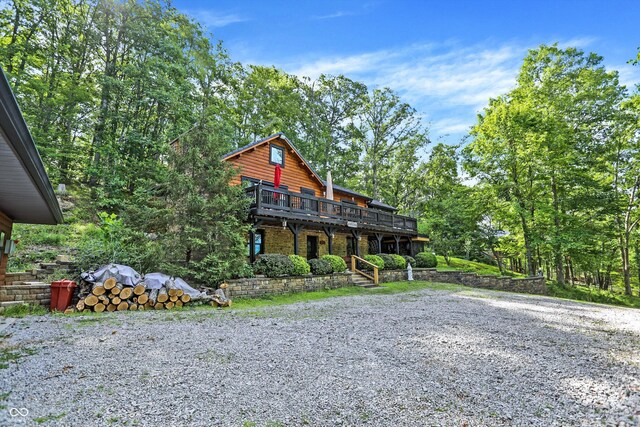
26, 194
297, 218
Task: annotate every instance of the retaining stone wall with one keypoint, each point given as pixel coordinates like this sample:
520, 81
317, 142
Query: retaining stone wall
46, 269
31, 293
528, 285
260, 286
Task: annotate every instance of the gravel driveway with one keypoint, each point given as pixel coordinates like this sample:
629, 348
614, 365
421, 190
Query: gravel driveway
429, 357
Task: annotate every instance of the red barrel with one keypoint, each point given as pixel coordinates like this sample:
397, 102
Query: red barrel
61, 294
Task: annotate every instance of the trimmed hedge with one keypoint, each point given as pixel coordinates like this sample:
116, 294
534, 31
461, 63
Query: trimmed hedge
373, 259
301, 265
389, 261
320, 266
426, 260
401, 263
339, 265
274, 265
409, 260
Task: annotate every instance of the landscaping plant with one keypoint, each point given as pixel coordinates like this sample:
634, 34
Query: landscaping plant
426, 260
320, 266
301, 266
339, 264
274, 265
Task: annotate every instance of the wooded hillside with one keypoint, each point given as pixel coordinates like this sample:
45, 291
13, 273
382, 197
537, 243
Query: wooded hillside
546, 181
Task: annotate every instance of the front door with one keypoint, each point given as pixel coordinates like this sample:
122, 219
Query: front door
312, 247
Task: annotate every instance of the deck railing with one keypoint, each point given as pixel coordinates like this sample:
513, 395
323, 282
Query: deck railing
283, 200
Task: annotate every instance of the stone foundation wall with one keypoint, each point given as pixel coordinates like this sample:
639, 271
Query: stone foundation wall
528, 285
260, 286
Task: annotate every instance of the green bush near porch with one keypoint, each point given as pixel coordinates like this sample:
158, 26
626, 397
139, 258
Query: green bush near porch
339, 265
274, 265
320, 266
426, 260
301, 265
401, 263
410, 260
373, 259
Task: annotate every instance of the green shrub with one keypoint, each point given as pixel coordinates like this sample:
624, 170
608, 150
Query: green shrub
320, 266
274, 265
389, 261
426, 260
409, 260
301, 265
401, 263
339, 265
373, 259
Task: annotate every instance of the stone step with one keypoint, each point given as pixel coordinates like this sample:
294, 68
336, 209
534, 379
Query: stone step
6, 304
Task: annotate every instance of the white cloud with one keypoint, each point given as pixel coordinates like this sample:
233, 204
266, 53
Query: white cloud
447, 82
213, 19
338, 14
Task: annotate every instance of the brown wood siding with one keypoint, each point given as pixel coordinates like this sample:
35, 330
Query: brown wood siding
338, 196
254, 163
5, 226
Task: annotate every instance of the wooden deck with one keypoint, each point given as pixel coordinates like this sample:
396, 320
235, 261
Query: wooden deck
283, 204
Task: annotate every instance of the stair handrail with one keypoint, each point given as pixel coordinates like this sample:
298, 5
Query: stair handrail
375, 276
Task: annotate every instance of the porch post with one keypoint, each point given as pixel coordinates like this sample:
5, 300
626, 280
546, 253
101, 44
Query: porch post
295, 229
379, 237
252, 240
329, 232
252, 246
357, 235
397, 239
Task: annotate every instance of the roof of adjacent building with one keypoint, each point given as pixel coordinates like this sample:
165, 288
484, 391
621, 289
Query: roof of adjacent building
372, 202
26, 194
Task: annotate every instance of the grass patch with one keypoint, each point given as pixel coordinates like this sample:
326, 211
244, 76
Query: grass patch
387, 289
50, 417
10, 355
458, 264
585, 293
22, 310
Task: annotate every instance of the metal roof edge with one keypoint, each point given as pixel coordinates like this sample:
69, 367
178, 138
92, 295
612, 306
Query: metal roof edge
21, 141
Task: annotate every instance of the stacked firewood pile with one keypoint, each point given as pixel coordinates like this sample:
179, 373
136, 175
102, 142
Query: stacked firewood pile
113, 296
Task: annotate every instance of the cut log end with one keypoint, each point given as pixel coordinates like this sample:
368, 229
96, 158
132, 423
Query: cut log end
98, 289
143, 298
123, 306
185, 298
99, 307
139, 289
91, 300
126, 293
159, 306
110, 283
111, 307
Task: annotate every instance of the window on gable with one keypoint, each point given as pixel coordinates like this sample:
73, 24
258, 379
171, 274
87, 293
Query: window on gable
276, 155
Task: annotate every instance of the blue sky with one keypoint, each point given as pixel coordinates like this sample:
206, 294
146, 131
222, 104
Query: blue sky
446, 58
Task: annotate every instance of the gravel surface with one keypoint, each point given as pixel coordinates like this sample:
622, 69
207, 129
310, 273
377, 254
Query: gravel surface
430, 357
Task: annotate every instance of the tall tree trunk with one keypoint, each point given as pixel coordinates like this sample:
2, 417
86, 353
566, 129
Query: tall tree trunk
527, 245
557, 254
626, 267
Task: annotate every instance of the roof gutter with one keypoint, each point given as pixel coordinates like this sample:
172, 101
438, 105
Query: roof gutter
20, 139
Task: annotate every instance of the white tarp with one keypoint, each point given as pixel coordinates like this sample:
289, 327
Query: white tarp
193, 293
155, 280
129, 277
122, 273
